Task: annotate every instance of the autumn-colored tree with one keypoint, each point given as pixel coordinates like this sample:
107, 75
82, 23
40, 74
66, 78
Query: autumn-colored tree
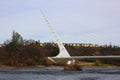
20, 52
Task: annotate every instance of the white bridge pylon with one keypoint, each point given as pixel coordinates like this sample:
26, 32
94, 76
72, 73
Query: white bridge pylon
63, 52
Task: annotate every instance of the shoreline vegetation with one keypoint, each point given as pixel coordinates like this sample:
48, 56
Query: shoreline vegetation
76, 67
19, 52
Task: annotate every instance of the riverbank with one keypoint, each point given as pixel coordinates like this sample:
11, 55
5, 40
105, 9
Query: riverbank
78, 63
4, 67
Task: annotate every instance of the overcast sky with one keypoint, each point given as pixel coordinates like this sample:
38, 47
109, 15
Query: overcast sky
75, 21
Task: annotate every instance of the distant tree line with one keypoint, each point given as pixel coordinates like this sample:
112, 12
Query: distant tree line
20, 52
93, 51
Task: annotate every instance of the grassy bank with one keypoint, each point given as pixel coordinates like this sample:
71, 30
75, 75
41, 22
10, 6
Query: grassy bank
46, 62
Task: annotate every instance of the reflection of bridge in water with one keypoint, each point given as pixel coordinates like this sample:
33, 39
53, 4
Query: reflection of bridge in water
63, 54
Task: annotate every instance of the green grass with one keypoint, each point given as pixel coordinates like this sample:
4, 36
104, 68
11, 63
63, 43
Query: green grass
1, 62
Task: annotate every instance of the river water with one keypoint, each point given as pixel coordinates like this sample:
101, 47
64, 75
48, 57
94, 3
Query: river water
57, 73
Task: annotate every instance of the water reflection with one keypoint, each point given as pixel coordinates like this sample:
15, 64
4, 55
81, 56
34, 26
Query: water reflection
89, 78
57, 73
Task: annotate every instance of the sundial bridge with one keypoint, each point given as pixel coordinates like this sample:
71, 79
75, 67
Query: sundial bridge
63, 53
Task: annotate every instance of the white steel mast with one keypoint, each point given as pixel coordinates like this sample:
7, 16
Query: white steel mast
63, 52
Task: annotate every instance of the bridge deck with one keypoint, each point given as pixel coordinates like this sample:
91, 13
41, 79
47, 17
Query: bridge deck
88, 57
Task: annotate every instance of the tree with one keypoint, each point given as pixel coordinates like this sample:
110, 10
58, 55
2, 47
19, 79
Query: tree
15, 43
17, 39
